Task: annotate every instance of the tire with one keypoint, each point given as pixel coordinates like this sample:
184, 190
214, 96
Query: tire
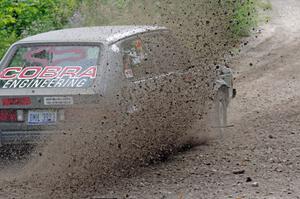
221, 104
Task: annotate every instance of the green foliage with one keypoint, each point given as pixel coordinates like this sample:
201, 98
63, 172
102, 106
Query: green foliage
244, 17
6, 39
20, 18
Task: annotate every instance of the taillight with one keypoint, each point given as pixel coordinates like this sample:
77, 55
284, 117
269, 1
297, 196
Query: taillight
8, 116
21, 101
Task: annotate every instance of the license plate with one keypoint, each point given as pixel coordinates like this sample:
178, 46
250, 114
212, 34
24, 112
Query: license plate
42, 117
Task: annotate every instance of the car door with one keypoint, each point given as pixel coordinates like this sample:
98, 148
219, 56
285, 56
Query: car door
162, 91
179, 82
147, 105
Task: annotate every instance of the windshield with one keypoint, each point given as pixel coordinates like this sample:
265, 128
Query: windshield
51, 67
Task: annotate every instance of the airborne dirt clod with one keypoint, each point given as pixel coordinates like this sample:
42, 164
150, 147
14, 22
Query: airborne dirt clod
91, 161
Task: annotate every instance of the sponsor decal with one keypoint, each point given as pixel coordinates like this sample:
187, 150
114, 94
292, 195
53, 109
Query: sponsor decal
58, 100
128, 73
47, 77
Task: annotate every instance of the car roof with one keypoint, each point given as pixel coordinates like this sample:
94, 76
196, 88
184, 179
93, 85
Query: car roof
99, 34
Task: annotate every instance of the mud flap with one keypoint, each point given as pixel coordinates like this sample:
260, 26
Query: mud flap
234, 93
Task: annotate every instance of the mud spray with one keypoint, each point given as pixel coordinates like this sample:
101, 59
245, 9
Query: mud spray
105, 143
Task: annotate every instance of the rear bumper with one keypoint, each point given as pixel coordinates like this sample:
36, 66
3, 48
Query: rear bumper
21, 137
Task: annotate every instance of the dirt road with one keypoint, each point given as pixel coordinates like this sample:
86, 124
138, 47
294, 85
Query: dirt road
260, 156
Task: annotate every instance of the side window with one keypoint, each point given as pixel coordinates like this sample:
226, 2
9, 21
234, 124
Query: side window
153, 54
138, 62
169, 54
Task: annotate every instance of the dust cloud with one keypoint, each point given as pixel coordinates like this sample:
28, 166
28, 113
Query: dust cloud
104, 142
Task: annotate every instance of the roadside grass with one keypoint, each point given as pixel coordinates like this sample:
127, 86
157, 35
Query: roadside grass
265, 5
246, 16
